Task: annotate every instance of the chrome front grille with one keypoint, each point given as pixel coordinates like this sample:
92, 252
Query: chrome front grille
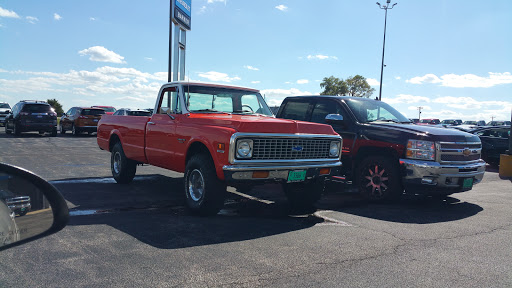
459, 151
290, 148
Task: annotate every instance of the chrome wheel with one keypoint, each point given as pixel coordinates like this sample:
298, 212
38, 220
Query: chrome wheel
196, 185
117, 163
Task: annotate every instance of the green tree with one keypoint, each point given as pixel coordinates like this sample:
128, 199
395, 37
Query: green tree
56, 105
333, 86
359, 87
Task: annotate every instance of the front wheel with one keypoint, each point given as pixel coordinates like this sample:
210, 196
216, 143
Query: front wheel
303, 196
204, 192
54, 132
123, 169
17, 131
379, 179
74, 130
62, 130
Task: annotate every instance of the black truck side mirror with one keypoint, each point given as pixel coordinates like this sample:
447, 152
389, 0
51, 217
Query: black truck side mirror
334, 119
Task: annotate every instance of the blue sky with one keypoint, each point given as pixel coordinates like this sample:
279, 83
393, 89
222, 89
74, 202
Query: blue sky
451, 57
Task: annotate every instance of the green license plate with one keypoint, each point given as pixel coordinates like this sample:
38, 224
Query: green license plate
297, 176
468, 183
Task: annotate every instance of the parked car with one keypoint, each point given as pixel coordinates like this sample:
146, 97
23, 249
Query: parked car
220, 135
81, 119
384, 155
429, 122
5, 110
451, 122
109, 110
20, 205
414, 120
134, 112
498, 123
494, 142
474, 123
31, 115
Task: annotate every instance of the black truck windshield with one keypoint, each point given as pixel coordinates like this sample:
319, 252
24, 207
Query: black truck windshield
368, 110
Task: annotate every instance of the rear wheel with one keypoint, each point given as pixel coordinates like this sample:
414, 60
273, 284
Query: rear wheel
74, 130
54, 132
303, 196
123, 169
379, 179
62, 131
204, 192
17, 131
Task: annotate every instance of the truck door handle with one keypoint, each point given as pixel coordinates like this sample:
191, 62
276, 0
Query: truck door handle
151, 123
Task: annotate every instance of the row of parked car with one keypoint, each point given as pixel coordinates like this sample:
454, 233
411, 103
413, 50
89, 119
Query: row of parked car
33, 115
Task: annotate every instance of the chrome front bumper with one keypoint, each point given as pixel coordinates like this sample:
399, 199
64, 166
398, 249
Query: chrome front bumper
431, 177
277, 173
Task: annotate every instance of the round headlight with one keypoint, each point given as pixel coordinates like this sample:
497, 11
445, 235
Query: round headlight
334, 149
244, 148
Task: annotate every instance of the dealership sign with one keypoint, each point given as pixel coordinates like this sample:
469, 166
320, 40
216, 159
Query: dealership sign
181, 12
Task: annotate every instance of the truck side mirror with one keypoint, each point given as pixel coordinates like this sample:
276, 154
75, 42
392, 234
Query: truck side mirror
334, 119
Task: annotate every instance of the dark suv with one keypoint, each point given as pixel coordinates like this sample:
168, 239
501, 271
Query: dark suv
30, 115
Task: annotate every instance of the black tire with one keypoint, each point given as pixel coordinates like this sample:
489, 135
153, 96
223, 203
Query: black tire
378, 179
23, 213
54, 132
303, 196
7, 131
204, 192
74, 130
123, 169
16, 129
62, 130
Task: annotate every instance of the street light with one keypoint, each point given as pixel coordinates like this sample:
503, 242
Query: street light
385, 7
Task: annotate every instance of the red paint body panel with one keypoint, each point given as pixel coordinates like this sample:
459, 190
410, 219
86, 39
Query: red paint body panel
164, 142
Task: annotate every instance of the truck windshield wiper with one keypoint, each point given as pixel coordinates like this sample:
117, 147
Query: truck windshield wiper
385, 120
243, 112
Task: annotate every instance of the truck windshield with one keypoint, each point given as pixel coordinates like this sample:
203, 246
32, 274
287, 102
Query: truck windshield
204, 99
5, 105
368, 110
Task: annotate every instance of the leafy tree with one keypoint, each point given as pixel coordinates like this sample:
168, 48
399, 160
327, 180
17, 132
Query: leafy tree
359, 87
333, 86
353, 86
56, 105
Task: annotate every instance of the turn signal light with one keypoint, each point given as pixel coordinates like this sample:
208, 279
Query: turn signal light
220, 146
260, 174
325, 171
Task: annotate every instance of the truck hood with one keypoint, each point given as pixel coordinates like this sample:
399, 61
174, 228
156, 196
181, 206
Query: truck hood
3, 110
261, 124
430, 133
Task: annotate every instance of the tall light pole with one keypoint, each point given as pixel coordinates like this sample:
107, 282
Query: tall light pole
385, 7
419, 112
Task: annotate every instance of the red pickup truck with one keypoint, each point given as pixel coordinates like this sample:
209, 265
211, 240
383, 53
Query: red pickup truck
218, 136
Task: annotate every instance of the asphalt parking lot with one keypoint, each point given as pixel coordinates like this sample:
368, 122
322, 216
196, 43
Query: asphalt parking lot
140, 235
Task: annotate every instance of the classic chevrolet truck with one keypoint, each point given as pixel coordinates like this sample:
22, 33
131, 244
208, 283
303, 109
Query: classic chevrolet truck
385, 155
218, 136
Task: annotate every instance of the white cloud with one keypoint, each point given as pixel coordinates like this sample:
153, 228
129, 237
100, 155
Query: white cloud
92, 19
469, 103
422, 108
274, 97
3, 71
221, 1
372, 82
407, 99
398, 78
302, 81
321, 57
148, 58
8, 13
102, 54
428, 78
255, 82
282, 7
202, 10
56, 16
466, 80
32, 20
251, 68
218, 77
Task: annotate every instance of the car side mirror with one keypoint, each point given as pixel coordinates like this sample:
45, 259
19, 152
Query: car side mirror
30, 207
334, 119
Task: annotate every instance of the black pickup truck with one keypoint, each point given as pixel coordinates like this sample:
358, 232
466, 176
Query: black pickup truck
385, 155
